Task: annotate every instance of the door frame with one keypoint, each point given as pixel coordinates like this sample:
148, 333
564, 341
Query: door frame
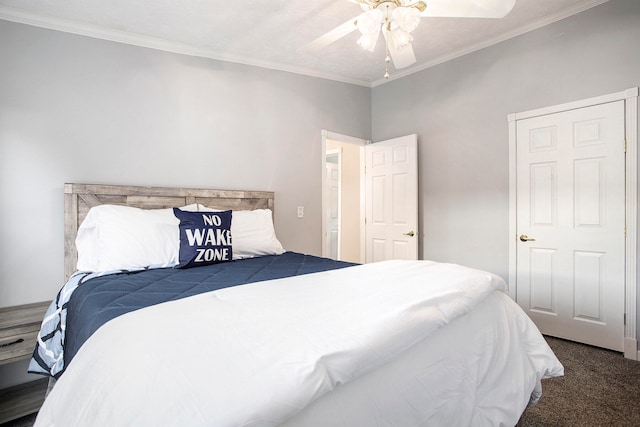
630, 96
325, 135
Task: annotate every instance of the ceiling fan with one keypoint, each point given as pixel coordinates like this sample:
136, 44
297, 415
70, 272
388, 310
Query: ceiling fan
397, 19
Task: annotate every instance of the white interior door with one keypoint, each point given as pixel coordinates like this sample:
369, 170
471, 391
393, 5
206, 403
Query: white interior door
332, 205
391, 193
571, 223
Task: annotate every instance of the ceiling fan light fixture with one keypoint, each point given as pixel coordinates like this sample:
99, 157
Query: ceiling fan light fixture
397, 19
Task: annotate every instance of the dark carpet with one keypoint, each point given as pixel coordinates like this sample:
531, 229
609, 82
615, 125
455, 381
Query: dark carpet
599, 388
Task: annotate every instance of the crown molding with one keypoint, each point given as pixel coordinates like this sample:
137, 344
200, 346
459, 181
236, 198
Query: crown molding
119, 36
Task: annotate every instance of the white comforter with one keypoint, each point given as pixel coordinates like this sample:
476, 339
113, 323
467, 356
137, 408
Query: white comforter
258, 354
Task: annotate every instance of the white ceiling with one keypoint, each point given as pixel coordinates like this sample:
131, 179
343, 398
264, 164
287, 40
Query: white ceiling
271, 33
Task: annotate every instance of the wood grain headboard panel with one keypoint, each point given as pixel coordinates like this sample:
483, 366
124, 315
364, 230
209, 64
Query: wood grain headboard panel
79, 198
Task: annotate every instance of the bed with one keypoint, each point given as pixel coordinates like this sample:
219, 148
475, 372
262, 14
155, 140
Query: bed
211, 322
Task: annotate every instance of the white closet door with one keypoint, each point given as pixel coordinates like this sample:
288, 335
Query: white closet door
391, 174
571, 223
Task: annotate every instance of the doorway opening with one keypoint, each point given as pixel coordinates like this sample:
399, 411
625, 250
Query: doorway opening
342, 201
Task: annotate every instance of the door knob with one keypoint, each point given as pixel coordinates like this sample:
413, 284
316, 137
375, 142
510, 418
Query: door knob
525, 238
410, 234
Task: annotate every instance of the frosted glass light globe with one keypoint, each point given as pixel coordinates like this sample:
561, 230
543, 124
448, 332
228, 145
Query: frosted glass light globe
406, 18
370, 22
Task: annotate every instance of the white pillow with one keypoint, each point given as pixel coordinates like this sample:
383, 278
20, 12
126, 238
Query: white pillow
114, 237
252, 233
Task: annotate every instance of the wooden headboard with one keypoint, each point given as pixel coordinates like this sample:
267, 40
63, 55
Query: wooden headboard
79, 198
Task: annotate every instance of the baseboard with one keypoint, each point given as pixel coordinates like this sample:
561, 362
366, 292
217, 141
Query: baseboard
631, 349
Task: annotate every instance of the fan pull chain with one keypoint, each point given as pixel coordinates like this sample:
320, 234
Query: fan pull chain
387, 59
387, 27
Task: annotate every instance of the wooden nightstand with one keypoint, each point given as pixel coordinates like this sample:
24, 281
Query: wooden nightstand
19, 327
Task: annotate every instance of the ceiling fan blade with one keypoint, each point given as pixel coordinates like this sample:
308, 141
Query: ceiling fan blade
330, 37
402, 57
468, 8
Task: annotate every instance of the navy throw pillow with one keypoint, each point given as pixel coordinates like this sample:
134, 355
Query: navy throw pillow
205, 238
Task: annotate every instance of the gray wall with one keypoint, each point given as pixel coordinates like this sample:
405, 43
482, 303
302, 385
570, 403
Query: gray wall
459, 111
77, 109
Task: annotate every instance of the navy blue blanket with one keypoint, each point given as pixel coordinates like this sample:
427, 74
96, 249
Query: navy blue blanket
101, 299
